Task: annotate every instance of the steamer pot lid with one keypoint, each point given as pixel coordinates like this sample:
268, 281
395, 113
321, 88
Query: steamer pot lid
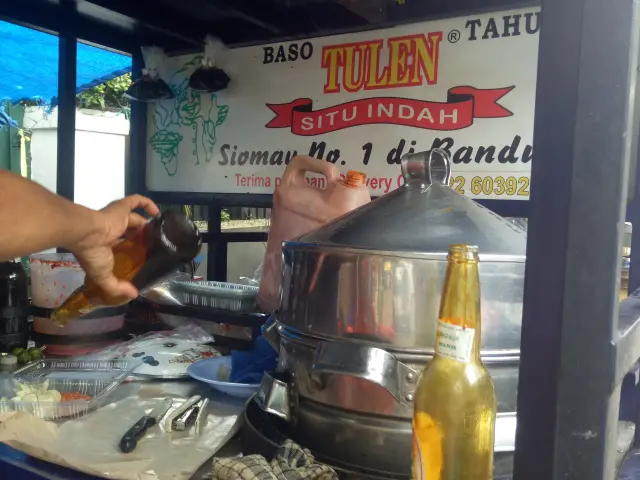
425, 215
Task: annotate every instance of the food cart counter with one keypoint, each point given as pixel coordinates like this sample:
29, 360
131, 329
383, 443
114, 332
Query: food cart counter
17, 464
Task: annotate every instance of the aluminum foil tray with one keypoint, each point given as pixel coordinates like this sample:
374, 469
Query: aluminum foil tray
219, 295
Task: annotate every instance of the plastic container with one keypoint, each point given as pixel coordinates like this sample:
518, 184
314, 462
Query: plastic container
299, 207
96, 379
54, 277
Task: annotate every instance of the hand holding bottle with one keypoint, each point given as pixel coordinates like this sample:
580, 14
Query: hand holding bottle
117, 268
95, 253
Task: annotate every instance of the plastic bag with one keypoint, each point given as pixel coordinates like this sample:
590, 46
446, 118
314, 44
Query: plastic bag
186, 333
161, 293
150, 87
209, 77
159, 456
254, 281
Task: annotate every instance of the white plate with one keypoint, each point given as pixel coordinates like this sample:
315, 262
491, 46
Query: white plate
165, 358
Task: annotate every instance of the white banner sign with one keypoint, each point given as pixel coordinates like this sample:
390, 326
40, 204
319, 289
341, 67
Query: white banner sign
361, 101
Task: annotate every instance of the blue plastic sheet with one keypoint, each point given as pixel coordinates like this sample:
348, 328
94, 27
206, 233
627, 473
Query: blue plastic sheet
29, 65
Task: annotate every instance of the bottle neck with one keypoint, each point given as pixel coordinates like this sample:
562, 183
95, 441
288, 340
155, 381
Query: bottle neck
459, 320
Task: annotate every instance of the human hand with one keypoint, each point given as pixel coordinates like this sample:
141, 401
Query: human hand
95, 251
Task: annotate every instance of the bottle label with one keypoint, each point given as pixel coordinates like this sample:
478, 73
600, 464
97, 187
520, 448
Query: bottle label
454, 342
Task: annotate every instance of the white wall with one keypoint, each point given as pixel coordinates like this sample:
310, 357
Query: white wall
43, 157
99, 153
99, 176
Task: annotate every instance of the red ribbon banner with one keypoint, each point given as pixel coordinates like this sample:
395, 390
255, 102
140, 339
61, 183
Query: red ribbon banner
463, 105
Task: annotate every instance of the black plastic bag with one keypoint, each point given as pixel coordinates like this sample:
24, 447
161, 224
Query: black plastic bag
150, 87
209, 77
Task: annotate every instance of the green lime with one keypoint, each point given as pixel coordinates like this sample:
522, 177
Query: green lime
34, 353
24, 357
17, 351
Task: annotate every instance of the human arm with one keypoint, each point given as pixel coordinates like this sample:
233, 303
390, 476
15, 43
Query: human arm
33, 219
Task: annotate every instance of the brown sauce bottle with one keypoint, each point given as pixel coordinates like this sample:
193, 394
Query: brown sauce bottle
167, 242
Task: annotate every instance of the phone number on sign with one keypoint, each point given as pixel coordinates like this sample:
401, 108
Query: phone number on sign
494, 186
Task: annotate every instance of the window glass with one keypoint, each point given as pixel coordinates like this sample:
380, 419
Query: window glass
28, 117
102, 125
244, 259
28, 87
198, 213
246, 217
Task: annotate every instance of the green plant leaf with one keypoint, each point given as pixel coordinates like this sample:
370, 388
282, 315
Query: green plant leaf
107, 96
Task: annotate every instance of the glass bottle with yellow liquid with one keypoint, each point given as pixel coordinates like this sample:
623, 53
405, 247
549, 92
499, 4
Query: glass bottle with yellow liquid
455, 403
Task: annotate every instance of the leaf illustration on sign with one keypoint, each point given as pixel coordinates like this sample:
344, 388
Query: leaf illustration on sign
191, 115
165, 144
222, 114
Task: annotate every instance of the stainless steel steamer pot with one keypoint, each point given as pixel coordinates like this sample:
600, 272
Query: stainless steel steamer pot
358, 312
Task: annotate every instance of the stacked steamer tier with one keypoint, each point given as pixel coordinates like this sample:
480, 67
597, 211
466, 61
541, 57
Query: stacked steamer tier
358, 314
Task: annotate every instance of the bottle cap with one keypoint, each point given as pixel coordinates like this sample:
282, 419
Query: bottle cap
355, 179
180, 235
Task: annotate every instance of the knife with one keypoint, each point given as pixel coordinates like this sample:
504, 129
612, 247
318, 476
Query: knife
134, 434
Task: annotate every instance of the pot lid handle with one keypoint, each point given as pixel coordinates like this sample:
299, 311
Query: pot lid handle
422, 169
